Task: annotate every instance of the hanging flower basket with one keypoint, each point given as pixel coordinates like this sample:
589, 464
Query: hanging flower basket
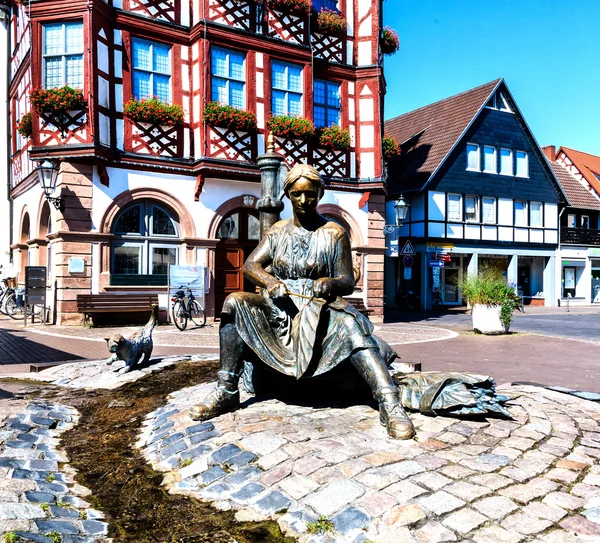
58, 100
390, 147
390, 42
330, 22
224, 116
290, 127
25, 125
334, 138
291, 7
153, 111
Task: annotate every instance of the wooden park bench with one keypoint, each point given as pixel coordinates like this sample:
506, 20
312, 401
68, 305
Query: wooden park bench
88, 304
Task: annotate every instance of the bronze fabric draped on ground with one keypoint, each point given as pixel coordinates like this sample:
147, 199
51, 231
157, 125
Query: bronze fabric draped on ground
301, 336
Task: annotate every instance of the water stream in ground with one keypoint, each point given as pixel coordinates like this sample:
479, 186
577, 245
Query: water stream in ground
124, 486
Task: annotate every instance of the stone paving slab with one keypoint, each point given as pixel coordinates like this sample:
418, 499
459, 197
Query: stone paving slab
39, 498
96, 374
335, 470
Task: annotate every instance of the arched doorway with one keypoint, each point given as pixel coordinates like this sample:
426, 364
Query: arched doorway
238, 233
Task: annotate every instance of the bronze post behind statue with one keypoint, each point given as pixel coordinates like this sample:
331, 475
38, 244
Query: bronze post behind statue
269, 205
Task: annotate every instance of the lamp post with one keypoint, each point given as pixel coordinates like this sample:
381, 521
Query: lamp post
47, 174
401, 212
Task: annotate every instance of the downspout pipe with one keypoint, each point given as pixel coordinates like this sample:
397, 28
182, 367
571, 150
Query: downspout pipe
5, 14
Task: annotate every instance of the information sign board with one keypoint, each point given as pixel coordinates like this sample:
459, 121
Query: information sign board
436, 263
35, 289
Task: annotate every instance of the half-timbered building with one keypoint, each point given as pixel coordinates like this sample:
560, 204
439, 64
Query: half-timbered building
138, 195
482, 196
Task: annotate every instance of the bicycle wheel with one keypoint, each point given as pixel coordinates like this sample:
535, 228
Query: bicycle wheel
180, 315
197, 314
12, 310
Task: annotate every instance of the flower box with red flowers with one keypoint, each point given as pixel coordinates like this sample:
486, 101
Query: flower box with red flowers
153, 111
390, 42
334, 138
58, 100
390, 147
330, 22
291, 127
25, 125
224, 116
291, 7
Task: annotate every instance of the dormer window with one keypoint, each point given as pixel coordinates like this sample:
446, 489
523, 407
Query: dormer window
499, 101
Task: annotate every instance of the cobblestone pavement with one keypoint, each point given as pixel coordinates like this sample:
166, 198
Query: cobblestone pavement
94, 374
39, 499
534, 478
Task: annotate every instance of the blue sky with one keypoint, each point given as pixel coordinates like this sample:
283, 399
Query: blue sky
548, 51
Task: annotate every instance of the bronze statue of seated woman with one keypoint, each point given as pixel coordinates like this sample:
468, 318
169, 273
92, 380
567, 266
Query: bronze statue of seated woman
299, 324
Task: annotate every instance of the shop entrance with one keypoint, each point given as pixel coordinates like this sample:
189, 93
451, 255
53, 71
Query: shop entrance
596, 281
451, 274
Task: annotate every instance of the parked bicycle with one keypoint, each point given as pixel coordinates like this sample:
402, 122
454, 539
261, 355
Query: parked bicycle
12, 302
183, 311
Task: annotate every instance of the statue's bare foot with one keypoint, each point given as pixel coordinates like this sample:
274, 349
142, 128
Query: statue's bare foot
395, 419
219, 401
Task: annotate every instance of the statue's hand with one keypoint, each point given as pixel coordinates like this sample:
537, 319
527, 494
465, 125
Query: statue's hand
322, 287
278, 290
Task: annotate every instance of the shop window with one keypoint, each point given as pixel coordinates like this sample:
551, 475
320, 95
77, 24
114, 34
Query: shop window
287, 89
62, 52
151, 70
146, 242
228, 77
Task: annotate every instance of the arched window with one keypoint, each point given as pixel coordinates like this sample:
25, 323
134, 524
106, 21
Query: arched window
146, 242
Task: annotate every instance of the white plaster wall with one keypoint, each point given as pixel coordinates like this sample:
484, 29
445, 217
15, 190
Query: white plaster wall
505, 212
33, 200
536, 236
472, 231
454, 230
551, 215
348, 201
367, 165
505, 234
437, 205
521, 234
489, 233
364, 53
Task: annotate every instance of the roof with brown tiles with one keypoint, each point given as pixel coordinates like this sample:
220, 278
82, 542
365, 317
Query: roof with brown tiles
577, 195
588, 165
431, 133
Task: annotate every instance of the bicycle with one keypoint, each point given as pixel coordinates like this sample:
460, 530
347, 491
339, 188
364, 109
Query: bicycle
182, 312
12, 303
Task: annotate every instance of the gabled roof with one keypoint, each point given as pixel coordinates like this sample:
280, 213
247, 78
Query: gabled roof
588, 165
442, 124
577, 195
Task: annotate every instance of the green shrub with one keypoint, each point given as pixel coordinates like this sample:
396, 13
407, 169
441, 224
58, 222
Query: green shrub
321, 526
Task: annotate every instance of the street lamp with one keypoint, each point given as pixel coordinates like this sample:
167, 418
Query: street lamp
401, 212
47, 173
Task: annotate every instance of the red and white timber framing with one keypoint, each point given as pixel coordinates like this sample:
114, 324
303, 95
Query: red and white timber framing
103, 138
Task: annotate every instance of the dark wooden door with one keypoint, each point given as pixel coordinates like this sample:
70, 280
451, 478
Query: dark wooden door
239, 234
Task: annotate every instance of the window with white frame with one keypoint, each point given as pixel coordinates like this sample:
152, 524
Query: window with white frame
228, 77
536, 216
488, 208
473, 157
151, 70
454, 207
585, 221
146, 240
62, 53
571, 221
520, 213
503, 104
506, 162
287, 89
489, 159
327, 103
522, 161
471, 208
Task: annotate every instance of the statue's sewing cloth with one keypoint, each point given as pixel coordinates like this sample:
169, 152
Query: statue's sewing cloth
301, 336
